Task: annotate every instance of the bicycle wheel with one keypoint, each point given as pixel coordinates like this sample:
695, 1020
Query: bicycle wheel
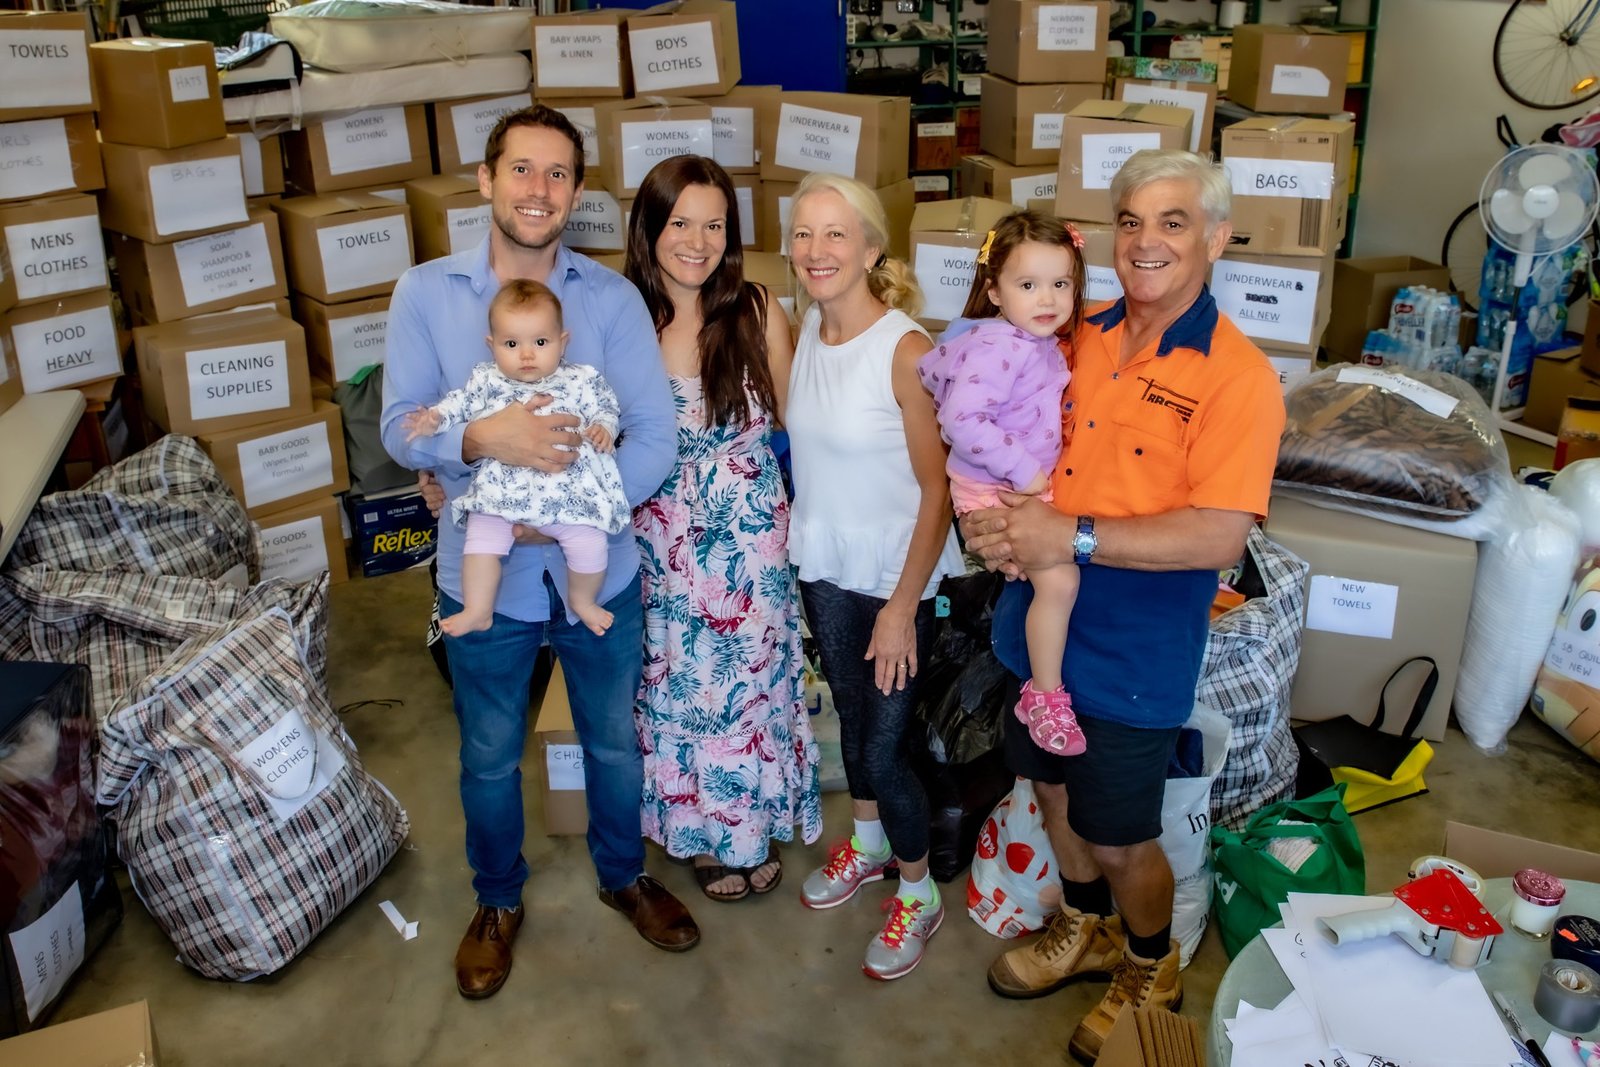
1465, 245
1547, 52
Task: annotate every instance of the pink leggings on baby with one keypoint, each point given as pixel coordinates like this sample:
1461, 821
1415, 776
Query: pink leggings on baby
583, 546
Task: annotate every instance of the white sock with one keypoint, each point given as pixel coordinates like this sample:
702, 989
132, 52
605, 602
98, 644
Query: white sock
869, 835
923, 890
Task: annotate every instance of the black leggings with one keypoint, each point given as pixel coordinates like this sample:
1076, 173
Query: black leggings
872, 727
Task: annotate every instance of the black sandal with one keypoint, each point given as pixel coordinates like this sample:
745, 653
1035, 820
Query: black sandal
710, 874
749, 872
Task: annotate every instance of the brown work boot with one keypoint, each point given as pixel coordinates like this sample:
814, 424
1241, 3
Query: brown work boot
1135, 983
1075, 945
484, 958
658, 916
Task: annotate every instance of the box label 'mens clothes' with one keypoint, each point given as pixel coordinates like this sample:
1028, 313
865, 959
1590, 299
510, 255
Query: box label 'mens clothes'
59, 256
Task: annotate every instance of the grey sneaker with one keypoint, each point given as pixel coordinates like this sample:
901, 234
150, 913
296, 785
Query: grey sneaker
847, 870
898, 948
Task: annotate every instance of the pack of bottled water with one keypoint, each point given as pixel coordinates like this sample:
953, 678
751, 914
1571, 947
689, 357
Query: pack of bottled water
1424, 334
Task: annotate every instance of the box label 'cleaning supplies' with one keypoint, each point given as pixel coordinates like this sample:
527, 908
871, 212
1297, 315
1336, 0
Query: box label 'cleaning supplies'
238, 379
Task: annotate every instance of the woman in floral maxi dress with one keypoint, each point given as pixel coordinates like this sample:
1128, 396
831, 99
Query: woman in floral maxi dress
730, 764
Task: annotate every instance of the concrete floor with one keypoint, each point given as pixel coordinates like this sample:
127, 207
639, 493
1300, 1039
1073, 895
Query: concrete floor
771, 983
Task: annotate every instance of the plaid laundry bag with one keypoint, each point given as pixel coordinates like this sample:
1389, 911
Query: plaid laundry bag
242, 810
1250, 659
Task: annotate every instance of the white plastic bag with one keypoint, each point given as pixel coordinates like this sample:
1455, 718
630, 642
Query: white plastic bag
1013, 887
1577, 485
1524, 573
1185, 826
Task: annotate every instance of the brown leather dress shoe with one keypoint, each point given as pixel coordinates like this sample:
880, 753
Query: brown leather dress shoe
660, 917
484, 958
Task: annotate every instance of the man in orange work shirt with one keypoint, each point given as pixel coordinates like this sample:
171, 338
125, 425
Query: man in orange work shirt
1172, 422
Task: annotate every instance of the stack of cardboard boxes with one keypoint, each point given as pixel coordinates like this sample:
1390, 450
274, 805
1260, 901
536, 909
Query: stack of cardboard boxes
56, 324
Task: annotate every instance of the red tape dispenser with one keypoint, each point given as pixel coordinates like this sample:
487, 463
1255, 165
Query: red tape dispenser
1437, 915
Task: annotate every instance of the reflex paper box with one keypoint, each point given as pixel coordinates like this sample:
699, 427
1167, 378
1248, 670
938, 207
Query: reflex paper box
1022, 123
996, 179
343, 338
157, 92
945, 238
302, 542
581, 54
448, 215
44, 64
1296, 70
345, 247
738, 120
378, 146
864, 137
1048, 40
216, 373
1282, 301
635, 135
1097, 138
163, 194
392, 531
899, 201
461, 128
1197, 98
53, 155
50, 248
66, 341
278, 465
690, 47
1291, 183
596, 223
261, 156
179, 279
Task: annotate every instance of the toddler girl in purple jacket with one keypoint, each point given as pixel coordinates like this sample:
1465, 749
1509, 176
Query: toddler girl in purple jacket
998, 389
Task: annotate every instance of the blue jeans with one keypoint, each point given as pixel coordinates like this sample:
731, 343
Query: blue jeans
492, 669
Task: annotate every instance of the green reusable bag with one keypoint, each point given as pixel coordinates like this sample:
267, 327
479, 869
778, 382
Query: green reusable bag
1294, 846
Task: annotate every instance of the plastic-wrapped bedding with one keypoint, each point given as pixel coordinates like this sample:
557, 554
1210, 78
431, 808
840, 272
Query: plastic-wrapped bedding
356, 35
1406, 443
326, 92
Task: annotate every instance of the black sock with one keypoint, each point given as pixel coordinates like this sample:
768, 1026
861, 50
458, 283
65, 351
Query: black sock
1093, 897
1153, 947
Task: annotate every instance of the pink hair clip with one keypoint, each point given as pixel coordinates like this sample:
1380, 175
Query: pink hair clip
1077, 238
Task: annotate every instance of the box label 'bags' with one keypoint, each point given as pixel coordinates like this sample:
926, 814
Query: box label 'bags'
286, 464
1105, 153
34, 158
472, 123
357, 340
1289, 80
1304, 179
733, 131
1064, 28
44, 68
360, 254
945, 273
199, 195
368, 140
238, 379
294, 550
221, 264
60, 256
809, 139
49, 949
672, 57
67, 349
1191, 101
1276, 303
644, 144
575, 57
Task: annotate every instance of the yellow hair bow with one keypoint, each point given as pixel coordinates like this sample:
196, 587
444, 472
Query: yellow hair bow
983, 253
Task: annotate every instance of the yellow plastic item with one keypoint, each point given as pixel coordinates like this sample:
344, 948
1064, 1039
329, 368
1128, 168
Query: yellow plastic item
1364, 790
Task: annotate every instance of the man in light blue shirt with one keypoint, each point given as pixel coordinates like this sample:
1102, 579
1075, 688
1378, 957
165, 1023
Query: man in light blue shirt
532, 175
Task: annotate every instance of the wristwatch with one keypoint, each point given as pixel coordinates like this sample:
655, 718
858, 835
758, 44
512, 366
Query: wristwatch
1084, 542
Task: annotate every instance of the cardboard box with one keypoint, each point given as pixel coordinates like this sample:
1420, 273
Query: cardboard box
635, 135
51, 155
1499, 855
1152, 1037
46, 68
1556, 377
1022, 123
261, 156
596, 223
1219, 50
1161, 68
1291, 183
898, 200
302, 542
560, 774
1097, 137
1378, 593
771, 270
461, 129
1282, 301
1591, 337
1292, 367
163, 194
1577, 437
581, 113
995, 179
10, 375
392, 531
278, 465
1100, 262
738, 121
50, 248
68, 341
933, 145
343, 338
157, 92
345, 247
945, 238
1197, 98
1296, 70
859, 136
747, 202
689, 48
581, 54
179, 279
1363, 289
378, 146
122, 1035
212, 374
279, 304
1048, 40
448, 215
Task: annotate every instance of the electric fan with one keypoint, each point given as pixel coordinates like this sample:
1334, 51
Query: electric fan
1537, 201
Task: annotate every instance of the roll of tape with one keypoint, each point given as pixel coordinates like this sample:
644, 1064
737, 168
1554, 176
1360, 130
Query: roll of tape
1568, 996
1577, 938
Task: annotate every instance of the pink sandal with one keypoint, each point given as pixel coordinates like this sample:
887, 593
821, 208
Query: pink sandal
1051, 723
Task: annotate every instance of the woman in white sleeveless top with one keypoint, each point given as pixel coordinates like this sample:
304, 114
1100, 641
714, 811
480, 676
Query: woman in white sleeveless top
871, 535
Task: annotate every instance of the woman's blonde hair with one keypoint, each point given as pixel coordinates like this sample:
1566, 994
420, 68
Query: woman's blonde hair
890, 279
